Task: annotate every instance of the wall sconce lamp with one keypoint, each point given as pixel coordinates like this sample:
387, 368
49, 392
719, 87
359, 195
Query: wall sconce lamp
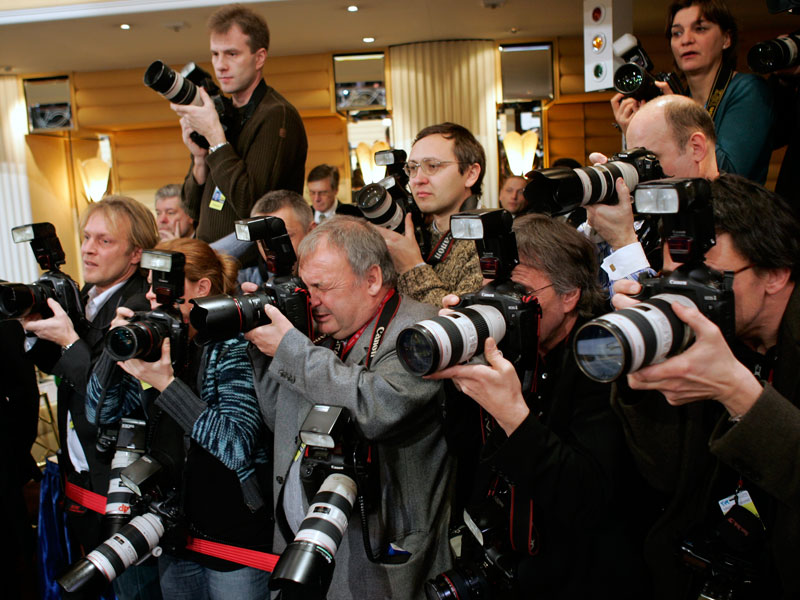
521, 150
366, 160
96, 176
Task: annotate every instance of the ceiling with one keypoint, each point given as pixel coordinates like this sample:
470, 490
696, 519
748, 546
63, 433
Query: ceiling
44, 36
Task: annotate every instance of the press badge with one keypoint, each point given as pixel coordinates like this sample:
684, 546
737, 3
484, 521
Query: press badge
744, 500
217, 199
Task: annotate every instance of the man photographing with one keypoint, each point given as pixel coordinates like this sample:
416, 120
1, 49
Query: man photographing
270, 150
723, 448
445, 169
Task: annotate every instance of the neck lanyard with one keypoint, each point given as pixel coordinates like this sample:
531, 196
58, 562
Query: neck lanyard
386, 312
721, 81
442, 249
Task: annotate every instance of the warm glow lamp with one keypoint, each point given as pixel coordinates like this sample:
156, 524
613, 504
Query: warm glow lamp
96, 174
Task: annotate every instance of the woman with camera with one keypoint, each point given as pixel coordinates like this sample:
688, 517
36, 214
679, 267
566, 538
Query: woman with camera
703, 37
212, 405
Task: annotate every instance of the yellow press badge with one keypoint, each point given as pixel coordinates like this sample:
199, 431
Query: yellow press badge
744, 500
217, 199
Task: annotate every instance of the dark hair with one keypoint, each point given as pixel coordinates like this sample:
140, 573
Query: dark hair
715, 11
467, 149
564, 255
324, 171
762, 226
685, 116
358, 240
252, 25
277, 199
566, 161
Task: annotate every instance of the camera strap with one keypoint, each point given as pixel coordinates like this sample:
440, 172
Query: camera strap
723, 78
386, 312
442, 249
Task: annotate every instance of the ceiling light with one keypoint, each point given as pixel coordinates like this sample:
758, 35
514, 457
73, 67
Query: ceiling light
368, 40
124, 26
352, 8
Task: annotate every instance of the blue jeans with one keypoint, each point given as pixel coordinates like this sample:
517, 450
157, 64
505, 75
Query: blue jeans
186, 580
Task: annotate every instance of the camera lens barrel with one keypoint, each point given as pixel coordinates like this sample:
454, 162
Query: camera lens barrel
141, 339
18, 299
378, 207
781, 53
632, 80
134, 541
223, 317
171, 84
307, 562
444, 341
626, 340
461, 583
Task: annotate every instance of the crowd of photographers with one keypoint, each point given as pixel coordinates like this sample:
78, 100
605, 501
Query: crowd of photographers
420, 398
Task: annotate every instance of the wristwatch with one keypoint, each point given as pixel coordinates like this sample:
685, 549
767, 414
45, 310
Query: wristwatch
216, 147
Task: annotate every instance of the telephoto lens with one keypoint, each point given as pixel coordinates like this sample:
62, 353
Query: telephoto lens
305, 568
171, 84
380, 208
105, 563
223, 317
441, 342
632, 80
626, 340
773, 55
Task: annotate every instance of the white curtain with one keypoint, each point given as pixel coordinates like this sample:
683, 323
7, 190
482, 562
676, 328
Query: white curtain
433, 82
16, 260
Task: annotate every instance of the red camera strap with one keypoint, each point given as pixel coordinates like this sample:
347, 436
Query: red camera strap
242, 556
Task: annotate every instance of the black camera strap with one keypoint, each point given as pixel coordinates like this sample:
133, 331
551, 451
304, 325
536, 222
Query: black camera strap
723, 78
442, 249
386, 312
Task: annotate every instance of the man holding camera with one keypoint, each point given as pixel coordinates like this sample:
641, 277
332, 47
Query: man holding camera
446, 168
680, 133
723, 448
115, 231
270, 150
351, 282
553, 455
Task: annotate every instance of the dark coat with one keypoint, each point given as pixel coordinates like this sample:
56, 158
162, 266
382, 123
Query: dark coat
695, 456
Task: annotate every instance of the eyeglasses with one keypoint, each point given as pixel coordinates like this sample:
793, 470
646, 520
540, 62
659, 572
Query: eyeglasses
430, 166
536, 291
744, 268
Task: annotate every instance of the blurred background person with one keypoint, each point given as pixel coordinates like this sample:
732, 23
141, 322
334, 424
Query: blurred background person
323, 186
172, 215
511, 197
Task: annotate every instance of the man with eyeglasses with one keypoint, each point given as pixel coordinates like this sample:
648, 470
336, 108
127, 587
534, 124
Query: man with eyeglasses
724, 448
553, 460
445, 169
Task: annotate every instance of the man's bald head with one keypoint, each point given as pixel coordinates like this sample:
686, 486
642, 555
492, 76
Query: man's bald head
680, 132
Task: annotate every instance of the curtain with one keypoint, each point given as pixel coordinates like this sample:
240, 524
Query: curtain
16, 260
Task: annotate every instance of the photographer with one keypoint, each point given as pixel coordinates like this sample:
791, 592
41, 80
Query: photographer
213, 402
728, 431
115, 231
270, 150
446, 168
359, 313
554, 447
681, 135
703, 37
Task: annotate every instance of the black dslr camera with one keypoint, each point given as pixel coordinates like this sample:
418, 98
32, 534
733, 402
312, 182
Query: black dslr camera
19, 300
501, 310
783, 52
337, 472
560, 190
635, 78
387, 202
487, 565
626, 340
181, 88
146, 330
222, 317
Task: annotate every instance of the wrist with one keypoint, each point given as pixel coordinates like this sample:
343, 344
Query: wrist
70, 343
214, 147
744, 394
518, 412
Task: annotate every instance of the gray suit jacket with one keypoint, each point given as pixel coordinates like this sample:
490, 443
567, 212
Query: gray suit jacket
399, 413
